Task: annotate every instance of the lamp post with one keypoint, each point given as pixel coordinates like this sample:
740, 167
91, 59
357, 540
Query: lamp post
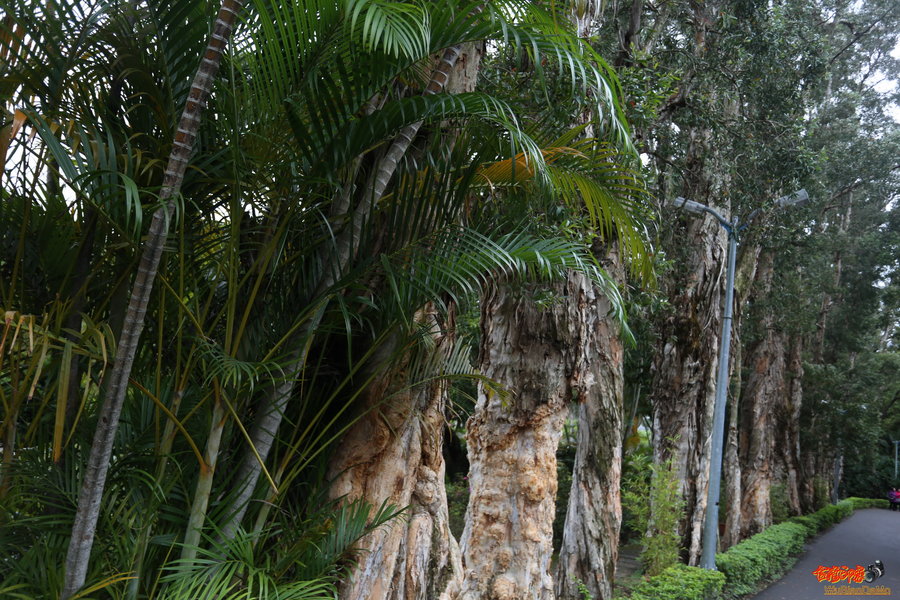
733, 228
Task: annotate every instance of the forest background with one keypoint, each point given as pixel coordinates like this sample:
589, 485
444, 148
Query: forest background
277, 276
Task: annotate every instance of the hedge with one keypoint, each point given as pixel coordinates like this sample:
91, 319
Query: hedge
756, 560
762, 557
681, 582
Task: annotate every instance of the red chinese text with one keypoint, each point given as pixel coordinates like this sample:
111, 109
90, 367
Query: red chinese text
835, 574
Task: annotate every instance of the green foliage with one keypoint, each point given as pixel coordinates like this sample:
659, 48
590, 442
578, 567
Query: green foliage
829, 515
761, 558
583, 592
565, 463
859, 503
457, 502
681, 582
778, 500
652, 503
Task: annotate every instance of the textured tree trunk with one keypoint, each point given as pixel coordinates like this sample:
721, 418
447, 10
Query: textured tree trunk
788, 444
594, 517
760, 402
827, 299
731, 469
684, 371
394, 454
541, 357
748, 260
419, 560
91, 494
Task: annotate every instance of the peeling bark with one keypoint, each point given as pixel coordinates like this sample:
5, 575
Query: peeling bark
540, 356
684, 371
788, 443
759, 403
594, 515
394, 454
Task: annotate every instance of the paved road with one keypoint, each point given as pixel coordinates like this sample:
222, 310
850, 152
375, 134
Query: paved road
866, 536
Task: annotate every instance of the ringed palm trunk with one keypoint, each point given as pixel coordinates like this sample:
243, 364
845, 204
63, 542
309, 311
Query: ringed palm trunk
91, 494
542, 357
593, 517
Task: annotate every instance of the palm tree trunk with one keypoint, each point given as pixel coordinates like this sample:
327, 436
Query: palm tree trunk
91, 494
204, 482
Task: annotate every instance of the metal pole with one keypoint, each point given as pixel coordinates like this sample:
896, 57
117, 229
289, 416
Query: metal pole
711, 525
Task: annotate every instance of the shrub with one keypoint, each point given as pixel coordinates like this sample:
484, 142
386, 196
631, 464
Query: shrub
859, 503
762, 557
681, 582
780, 503
652, 499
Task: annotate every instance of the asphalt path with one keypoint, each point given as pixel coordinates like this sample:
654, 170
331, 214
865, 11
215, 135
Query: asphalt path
866, 536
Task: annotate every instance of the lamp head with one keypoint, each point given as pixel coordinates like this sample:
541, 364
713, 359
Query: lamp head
689, 205
798, 198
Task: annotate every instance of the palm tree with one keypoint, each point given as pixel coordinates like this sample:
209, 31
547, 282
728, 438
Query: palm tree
282, 301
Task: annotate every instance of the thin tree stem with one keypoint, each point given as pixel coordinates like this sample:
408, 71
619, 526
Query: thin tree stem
91, 494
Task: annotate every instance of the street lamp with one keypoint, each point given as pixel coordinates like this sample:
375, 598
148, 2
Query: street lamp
734, 228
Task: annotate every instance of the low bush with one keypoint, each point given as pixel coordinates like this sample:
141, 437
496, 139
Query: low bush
826, 517
681, 582
859, 503
744, 568
761, 558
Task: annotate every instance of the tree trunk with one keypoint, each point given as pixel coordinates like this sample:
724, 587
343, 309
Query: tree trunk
541, 357
421, 559
788, 445
748, 262
684, 371
90, 496
827, 298
594, 516
394, 454
759, 402
731, 469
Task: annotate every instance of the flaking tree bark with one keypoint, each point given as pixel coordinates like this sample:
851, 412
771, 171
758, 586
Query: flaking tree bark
594, 517
759, 401
684, 372
91, 494
394, 454
542, 357
418, 559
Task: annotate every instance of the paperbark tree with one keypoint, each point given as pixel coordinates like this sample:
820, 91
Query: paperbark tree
393, 455
593, 517
419, 559
762, 394
543, 357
